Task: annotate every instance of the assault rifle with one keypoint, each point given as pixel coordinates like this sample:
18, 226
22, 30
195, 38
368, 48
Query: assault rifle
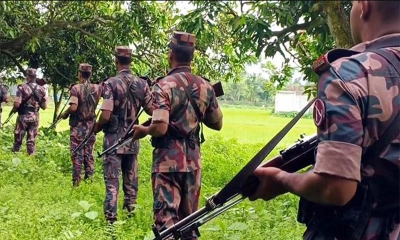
8, 119
128, 135
58, 119
87, 137
244, 184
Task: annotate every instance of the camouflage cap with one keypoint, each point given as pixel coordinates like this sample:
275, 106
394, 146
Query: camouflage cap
123, 51
85, 67
183, 39
31, 72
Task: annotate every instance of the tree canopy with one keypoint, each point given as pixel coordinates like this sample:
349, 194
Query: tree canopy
57, 36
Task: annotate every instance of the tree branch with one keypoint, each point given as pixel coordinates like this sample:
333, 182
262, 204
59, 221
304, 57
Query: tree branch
296, 27
19, 41
14, 59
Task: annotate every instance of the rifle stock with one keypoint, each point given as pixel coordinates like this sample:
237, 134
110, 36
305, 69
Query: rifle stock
291, 159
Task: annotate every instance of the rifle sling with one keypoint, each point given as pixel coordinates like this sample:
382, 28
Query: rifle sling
393, 130
30, 96
192, 102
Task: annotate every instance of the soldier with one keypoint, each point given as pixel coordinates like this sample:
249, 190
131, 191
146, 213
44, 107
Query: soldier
353, 190
30, 96
176, 173
84, 98
4, 97
123, 96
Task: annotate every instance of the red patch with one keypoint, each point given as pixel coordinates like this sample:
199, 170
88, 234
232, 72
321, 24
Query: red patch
319, 112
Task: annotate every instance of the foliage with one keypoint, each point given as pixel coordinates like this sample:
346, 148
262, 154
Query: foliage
57, 36
252, 24
55, 210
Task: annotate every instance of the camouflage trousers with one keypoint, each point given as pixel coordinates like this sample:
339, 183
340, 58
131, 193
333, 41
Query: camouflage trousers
113, 165
22, 128
82, 157
176, 195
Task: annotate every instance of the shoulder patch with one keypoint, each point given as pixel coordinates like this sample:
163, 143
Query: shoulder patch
321, 64
319, 112
324, 62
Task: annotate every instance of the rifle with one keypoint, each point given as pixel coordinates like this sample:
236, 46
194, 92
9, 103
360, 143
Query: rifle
8, 119
125, 139
128, 135
58, 119
87, 137
292, 159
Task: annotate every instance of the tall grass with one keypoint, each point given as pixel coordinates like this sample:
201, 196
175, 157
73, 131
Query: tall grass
37, 200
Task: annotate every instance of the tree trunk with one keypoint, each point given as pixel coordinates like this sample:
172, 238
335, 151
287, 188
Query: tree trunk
57, 101
338, 23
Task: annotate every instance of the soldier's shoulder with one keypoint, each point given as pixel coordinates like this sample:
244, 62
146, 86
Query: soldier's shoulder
332, 57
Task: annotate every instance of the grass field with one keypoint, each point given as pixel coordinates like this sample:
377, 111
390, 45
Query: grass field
38, 202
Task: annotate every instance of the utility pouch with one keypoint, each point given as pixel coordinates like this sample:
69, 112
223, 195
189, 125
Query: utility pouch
113, 125
73, 120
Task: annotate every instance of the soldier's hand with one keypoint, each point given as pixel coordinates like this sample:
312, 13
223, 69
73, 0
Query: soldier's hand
269, 187
64, 115
97, 128
140, 131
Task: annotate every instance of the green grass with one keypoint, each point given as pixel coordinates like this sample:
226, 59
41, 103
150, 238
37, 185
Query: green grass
38, 202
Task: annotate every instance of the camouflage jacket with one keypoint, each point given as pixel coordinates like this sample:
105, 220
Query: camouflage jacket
86, 96
358, 98
3, 92
115, 100
24, 91
172, 107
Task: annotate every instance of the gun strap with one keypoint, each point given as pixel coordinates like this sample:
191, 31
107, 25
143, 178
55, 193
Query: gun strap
393, 130
33, 93
233, 188
89, 95
192, 102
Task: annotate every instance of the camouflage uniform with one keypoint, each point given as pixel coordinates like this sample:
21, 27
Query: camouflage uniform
116, 100
28, 113
3, 96
176, 171
358, 98
86, 96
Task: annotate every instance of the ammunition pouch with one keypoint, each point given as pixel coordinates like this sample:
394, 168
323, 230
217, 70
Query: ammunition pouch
73, 120
343, 222
113, 125
23, 110
192, 138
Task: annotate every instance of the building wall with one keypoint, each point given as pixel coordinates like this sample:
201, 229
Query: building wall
289, 101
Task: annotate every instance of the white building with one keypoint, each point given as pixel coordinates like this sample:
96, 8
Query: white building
290, 101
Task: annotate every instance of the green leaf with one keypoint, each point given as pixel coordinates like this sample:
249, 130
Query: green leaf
76, 214
238, 226
92, 215
16, 161
85, 205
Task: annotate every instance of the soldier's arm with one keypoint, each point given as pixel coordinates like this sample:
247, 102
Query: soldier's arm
161, 109
213, 115
148, 100
106, 108
160, 117
340, 131
17, 100
6, 97
73, 102
43, 102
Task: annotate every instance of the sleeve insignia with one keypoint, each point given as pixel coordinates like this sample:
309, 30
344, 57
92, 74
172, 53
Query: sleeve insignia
319, 112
